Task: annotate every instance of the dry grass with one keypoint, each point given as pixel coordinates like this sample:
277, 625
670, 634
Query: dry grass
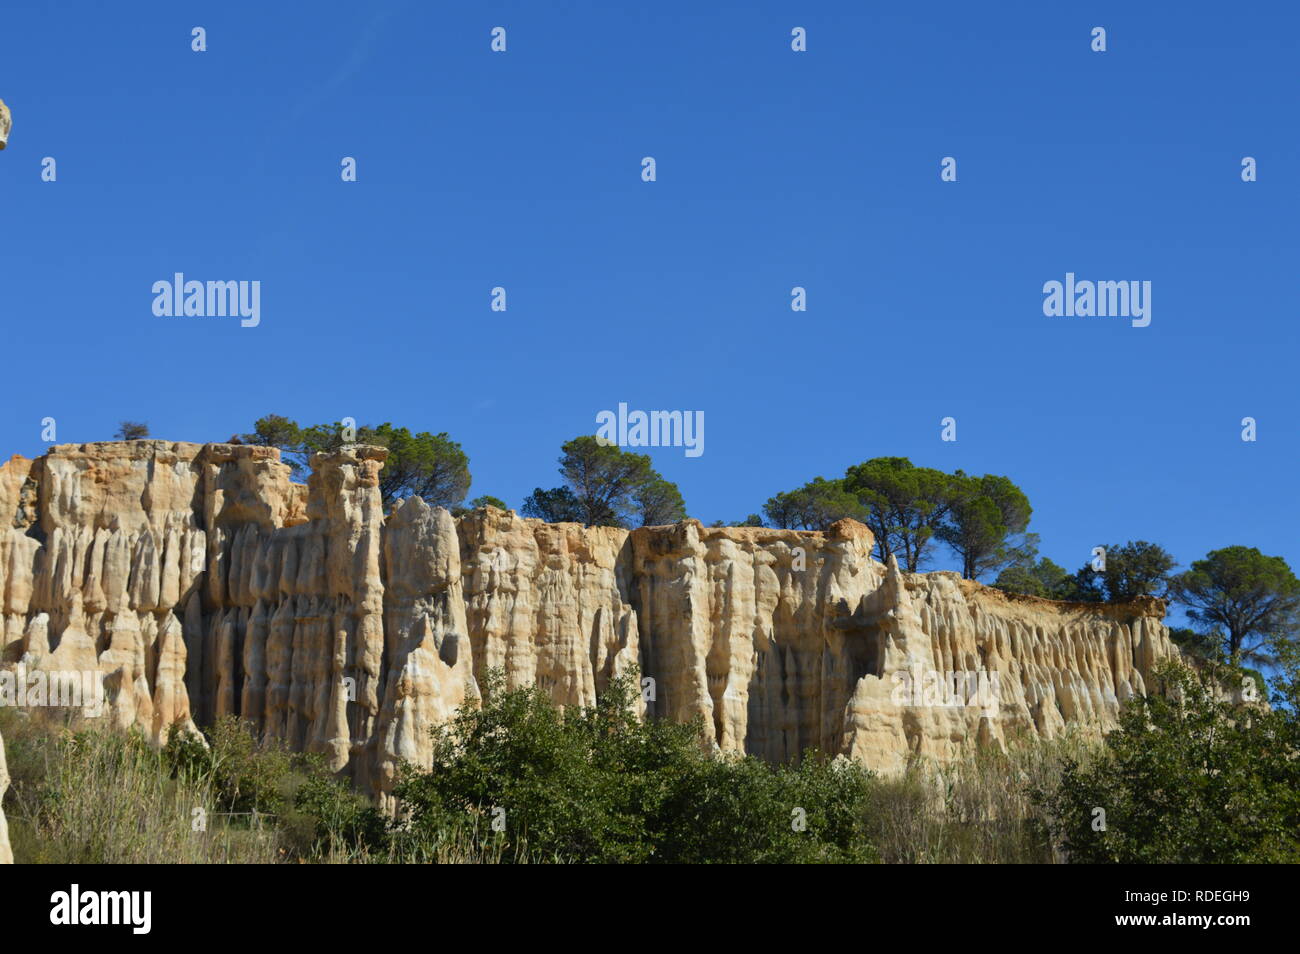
83, 794
979, 810
91, 796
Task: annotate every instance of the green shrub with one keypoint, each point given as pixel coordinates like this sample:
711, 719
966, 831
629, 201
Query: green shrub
259, 781
1188, 777
600, 785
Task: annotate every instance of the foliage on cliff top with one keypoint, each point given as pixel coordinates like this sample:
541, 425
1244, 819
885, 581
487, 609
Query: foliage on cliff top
131, 431
420, 464
605, 486
983, 520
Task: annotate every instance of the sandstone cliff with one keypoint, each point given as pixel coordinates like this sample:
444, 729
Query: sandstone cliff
194, 581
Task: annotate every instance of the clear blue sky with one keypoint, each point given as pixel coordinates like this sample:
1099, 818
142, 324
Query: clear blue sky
775, 169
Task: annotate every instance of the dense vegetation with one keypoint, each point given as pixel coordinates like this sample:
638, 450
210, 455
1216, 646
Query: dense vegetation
602, 785
1188, 776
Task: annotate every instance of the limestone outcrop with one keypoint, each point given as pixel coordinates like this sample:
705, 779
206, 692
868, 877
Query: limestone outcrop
192, 581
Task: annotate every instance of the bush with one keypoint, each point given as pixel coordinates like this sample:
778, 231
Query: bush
600, 785
259, 781
1188, 777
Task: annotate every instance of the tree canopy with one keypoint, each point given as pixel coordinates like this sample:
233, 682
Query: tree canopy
1042, 578
557, 505
131, 431
658, 502
1133, 569
814, 506
982, 521
1252, 599
605, 486
909, 509
422, 464
904, 506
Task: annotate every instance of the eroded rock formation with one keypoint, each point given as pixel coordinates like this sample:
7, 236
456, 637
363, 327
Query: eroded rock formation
195, 581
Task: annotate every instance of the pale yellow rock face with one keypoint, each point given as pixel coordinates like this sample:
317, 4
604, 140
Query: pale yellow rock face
430, 663
748, 627
196, 581
104, 555
548, 603
6, 854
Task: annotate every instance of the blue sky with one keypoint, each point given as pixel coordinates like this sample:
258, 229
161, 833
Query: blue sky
775, 169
